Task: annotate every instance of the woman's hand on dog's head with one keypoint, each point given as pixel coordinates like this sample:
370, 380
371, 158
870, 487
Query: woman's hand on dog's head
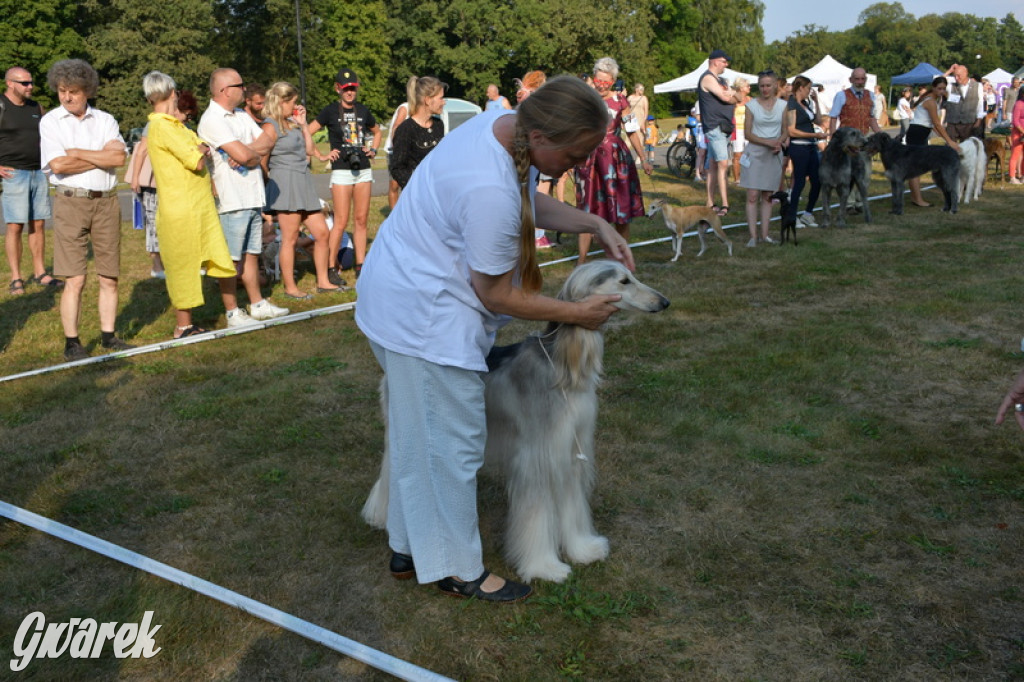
595, 310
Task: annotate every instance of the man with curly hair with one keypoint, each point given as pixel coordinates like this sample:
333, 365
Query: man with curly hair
81, 148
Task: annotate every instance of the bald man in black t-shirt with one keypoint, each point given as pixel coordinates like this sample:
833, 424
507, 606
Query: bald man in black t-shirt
26, 196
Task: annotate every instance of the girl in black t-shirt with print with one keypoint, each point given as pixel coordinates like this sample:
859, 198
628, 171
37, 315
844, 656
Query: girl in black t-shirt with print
354, 136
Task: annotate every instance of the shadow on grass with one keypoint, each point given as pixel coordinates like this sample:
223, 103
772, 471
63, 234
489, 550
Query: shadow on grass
16, 311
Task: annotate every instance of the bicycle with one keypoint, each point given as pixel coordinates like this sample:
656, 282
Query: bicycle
681, 158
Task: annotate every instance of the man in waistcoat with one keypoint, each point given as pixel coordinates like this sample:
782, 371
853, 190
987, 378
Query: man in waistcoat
965, 106
852, 106
717, 105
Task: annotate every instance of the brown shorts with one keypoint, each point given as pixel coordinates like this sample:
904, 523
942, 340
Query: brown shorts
76, 220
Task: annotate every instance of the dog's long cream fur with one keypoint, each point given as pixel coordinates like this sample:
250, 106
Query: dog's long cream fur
679, 219
541, 400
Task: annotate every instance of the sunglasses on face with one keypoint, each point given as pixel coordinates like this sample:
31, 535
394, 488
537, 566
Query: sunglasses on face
768, 72
603, 84
25, 83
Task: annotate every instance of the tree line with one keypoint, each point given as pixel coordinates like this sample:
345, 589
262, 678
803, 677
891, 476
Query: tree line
466, 43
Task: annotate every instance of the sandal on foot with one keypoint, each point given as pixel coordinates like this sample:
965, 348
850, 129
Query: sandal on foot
722, 211
401, 566
17, 287
190, 330
331, 290
302, 297
509, 593
51, 282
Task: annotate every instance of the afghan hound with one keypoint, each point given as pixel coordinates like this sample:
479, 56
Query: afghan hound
541, 401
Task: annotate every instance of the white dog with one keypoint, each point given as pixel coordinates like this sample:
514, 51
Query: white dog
973, 168
541, 399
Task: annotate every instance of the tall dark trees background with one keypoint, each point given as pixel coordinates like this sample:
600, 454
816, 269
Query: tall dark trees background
467, 43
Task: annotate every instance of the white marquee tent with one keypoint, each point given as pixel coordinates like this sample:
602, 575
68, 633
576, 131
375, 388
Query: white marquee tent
835, 77
689, 81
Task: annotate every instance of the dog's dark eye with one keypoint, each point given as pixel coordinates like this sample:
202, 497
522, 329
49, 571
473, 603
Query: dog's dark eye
624, 280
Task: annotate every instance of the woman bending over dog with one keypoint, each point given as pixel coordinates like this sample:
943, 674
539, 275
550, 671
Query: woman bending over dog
453, 262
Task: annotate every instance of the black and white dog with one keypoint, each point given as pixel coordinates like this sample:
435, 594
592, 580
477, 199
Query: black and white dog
904, 162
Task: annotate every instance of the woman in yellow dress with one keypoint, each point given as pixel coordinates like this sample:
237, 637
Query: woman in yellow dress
187, 225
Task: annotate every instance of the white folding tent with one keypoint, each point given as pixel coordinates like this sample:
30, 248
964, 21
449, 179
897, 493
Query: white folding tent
689, 81
834, 77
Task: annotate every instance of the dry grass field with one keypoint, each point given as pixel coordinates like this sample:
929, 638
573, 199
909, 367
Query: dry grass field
799, 476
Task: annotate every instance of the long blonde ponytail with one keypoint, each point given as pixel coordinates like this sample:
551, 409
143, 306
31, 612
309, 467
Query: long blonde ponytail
564, 110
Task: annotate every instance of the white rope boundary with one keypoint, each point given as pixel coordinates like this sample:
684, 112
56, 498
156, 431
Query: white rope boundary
343, 645
298, 317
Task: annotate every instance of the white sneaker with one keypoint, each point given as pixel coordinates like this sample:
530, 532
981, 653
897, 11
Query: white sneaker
265, 310
1015, 181
239, 318
769, 240
752, 243
808, 219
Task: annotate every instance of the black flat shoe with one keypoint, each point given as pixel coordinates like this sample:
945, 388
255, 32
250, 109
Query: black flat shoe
401, 566
509, 593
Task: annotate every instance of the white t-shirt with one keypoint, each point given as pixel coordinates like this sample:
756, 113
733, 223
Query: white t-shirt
60, 130
235, 191
459, 212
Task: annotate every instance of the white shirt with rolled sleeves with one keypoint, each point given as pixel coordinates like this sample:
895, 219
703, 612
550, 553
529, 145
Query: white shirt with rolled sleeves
459, 212
60, 130
218, 127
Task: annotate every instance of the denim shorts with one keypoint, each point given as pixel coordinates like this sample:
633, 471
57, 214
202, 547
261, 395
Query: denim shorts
243, 231
351, 177
718, 145
26, 197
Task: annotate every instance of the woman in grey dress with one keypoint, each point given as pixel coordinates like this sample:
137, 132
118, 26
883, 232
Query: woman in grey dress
290, 192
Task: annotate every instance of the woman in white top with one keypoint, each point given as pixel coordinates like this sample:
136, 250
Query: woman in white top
926, 118
762, 159
452, 264
905, 113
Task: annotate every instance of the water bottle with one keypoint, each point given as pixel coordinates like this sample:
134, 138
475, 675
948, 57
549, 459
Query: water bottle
242, 170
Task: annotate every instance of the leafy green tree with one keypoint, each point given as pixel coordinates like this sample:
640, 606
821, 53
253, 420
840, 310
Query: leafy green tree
734, 26
36, 35
805, 48
888, 41
1010, 35
971, 41
130, 38
348, 35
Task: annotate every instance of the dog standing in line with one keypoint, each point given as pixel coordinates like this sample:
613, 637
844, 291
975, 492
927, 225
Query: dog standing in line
973, 166
541, 402
679, 219
995, 148
904, 162
788, 221
844, 166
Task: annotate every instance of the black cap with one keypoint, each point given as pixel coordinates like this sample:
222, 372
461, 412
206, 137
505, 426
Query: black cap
719, 54
346, 77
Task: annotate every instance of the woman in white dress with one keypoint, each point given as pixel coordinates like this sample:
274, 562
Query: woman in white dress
763, 159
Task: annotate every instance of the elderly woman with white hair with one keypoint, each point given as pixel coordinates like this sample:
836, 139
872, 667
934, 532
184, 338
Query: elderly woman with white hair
187, 224
607, 183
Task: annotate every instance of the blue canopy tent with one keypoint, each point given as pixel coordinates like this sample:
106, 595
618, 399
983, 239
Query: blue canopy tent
921, 74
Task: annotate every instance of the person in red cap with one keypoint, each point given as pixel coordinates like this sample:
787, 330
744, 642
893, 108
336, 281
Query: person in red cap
354, 136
